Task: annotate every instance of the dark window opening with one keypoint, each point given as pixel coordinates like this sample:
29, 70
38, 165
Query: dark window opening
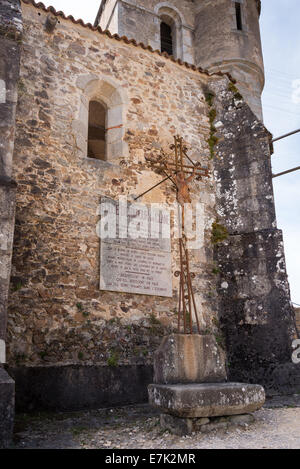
96, 135
166, 38
238, 11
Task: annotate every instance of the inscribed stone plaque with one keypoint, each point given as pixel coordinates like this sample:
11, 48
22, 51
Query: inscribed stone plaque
141, 264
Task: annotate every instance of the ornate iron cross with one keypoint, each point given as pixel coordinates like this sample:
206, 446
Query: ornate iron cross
180, 169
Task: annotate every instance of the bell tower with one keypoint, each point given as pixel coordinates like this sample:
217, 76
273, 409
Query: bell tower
167, 26
227, 39
217, 35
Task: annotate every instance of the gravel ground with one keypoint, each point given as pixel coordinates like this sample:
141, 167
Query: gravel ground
277, 426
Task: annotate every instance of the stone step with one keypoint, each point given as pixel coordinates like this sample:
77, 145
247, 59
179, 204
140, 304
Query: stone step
207, 400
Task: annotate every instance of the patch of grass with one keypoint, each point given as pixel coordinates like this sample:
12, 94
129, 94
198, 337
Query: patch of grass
113, 359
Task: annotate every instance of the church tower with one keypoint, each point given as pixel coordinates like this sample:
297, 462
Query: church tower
217, 35
227, 39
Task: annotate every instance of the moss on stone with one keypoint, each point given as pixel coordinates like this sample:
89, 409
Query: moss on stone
219, 233
213, 140
235, 91
209, 98
113, 359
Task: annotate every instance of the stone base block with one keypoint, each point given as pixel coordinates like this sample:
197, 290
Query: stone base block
7, 408
182, 427
206, 400
185, 359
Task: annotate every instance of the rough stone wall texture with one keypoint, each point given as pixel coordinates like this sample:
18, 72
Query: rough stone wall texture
141, 21
204, 33
256, 314
58, 318
56, 253
10, 38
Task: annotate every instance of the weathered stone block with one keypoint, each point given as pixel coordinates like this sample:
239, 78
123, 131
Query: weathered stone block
7, 406
186, 426
189, 359
207, 400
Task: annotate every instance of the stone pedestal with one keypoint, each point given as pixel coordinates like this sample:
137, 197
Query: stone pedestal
189, 359
206, 400
7, 406
191, 389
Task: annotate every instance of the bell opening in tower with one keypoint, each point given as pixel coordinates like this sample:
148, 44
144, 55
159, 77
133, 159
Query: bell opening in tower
238, 12
166, 37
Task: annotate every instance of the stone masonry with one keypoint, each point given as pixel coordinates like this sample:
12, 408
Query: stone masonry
255, 310
10, 38
70, 345
57, 315
204, 33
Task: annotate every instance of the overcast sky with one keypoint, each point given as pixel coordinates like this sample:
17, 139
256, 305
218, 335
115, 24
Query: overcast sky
281, 101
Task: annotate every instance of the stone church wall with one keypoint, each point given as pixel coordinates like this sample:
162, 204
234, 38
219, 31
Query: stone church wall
71, 345
57, 315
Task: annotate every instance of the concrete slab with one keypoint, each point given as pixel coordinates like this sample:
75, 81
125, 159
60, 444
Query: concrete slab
206, 400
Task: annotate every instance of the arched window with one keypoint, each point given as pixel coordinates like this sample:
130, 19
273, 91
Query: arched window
170, 23
97, 131
100, 127
166, 37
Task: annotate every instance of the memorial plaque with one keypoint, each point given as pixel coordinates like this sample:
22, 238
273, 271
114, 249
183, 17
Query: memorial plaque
141, 264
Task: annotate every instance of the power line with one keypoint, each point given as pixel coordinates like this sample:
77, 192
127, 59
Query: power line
286, 172
286, 135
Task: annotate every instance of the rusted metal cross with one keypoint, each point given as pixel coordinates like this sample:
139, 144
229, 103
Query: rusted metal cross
181, 170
